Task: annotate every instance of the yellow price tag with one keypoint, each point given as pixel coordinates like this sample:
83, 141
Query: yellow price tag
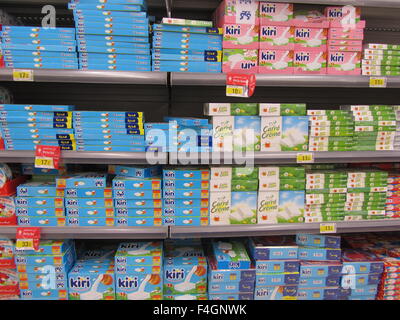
327, 228
305, 158
289, 298
22, 75
377, 82
236, 91
44, 162
24, 244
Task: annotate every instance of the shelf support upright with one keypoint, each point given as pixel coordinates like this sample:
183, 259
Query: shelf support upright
168, 4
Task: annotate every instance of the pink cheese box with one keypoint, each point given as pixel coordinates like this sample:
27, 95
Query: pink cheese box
236, 12
340, 13
345, 34
240, 36
313, 39
309, 62
275, 61
244, 61
275, 13
338, 24
310, 19
276, 37
345, 48
351, 43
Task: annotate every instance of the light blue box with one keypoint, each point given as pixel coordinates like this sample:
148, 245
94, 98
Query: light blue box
100, 2
187, 173
329, 281
59, 270
136, 194
137, 221
88, 193
48, 221
117, 68
31, 65
38, 212
90, 221
185, 184
101, 123
176, 57
186, 29
186, 66
45, 285
142, 203
358, 262
184, 52
319, 254
186, 37
37, 53
101, 13
83, 180
80, 20
134, 133
277, 279
138, 253
38, 41
112, 31
46, 273
106, 7
182, 212
39, 202
88, 203
178, 44
322, 241
48, 247
275, 293
138, 212
127, 286
185, 221
136, 171
137, 269
265, 248
111, 50
44, 30
360, 280
131, 183
89, 212
34, 107
240, 259
145, 65
40, 60
34, 260
312, 269
122, 25
13, 137
94, 37
156, 125
276, 266
185, 194
185, 203
232, 296
37, 189
218, 275
228, 287
43, 294
318, 294
106, 136
359, 291
44, 125
102, 143
33, 47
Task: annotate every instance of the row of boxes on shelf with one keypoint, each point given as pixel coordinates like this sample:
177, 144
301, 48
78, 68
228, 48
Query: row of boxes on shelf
290, 127
381, 59
305, 267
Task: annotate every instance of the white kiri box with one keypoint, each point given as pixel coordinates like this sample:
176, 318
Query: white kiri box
220, 208
223, 133
243, 208
280, 207
287, 133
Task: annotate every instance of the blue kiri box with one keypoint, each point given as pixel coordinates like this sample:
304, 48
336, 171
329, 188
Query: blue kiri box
44, 285
185, 52
96, 37
329, 281
106, 130
44, 125
112, 50
39, 212
191, 66
101, 13
277, 279
176, 57
88, 193
136, 172
313, 269
34, 107
277, 266
38, 41
84, 180
186, 29
146, 253
178, 44
42, 221
357, 261
273, 248
55, 260
186, 203
111, 25
88, 202
230, 286
21, 65
359, 291
91, 221
48, 247
40, 60
182, 194
136, 194
106, 7
131, 183
156, 125
318, 294
192, 211
319, 254
230, 255
275, 293
43, 294
34, 47
28, 29
143, 64
321, 241
138, 212
81, 20
39, 202
187, 37
105, 136
185, 184
142, 203
89, 212
136, 221
118, 44
106, 114
187, 173
46, 114
37, 54
113, 31
37, 189
185, 221
88, 142
218, 275
117, 68
231, 296
360, 280
137, 269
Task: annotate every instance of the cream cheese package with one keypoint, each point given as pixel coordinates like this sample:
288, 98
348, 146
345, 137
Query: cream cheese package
138, 287
216, 275
198, 296
231, 296
36, 189
243, 208
282, 109
87, 180
39, 212
139, 253
228, 287
319, 254
143, 221
328, 293
276, 293
276, 266
88, 202
277, 279
44, 294
42, 221
231, 109
137, 194
87, 192
230, 255
220, 208
90, 221
273, 248
89, 212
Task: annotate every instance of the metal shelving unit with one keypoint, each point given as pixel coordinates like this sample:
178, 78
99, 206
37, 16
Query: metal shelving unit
89, 157
93, 232
281, 229
282, 157
90, 76
277, 80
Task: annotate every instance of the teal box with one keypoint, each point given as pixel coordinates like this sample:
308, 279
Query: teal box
276, 293
88, 202
318, 293
130, 183
41, 284
144, 221
181, 212
277, 279
88, 193
43, 294
36, 213
185, 203
231, 296
136, 194
329, 281
185, 184
138, 253
37, 189
89, 212
187, 173
185, 194
319, 254
321, 241
140, 270
185, 221
142, 203
35, 107
34, 260
90, 221
39, 202
230, 254
138, 212
135, 172
85, 180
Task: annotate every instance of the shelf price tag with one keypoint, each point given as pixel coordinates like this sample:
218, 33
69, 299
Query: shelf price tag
47, 157
27, 238
240, 85
327, 228
305, 158
22, 75
377, 82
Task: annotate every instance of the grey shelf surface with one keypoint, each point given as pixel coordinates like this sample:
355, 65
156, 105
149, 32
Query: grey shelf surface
282, 157
281, 229
91, 76
276, 80
89, 157
93, 232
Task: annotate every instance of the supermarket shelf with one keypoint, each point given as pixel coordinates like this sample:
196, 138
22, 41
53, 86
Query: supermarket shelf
89, 157
93, 232
91, 76
276, 80
282, 157
281, 229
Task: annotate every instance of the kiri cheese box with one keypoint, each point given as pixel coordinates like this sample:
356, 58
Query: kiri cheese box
317, 240
37, 189
216, 275
361, 262
234, 11
227, 287
186, 173
39, 212
89, 212
314, 269
240, 36
243, 60
127, 183
276, 293
86, 180
319, 254
328, 281
136, 203
288, 133
43, 294
277, 37
277, 266
139, 253
42, 221
138, 221
275, 61
231, 296
230, 254
243, 208
273, 248
271, 13
87, 192
137, 172
282, 109
309, 62
35, 260
318, 293
37, 202
90, 221
278, 279
139, 287
88, 202
136, 194
49, 247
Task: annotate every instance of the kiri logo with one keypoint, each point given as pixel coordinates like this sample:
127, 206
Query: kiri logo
268, 31
169, 202
169, 174
232, 30
169, 183
22, 202
169, 220
121, 202
217, 276
72, 202
302, 56
73, 221
169, 193
268, 8
99, 184
336, 57
302, 33
169, 211
23, 190
128, 283
175, 274
73, 212
335, 13
268, 56
120, 193
122, 211
119, 184
80, 283
247, 65
22, 211
122, 222
71, 192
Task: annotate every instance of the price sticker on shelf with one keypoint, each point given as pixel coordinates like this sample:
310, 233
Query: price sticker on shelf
27, 238
305, 158
377, 82
47, 157
327, 228
22, 75
240, 85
